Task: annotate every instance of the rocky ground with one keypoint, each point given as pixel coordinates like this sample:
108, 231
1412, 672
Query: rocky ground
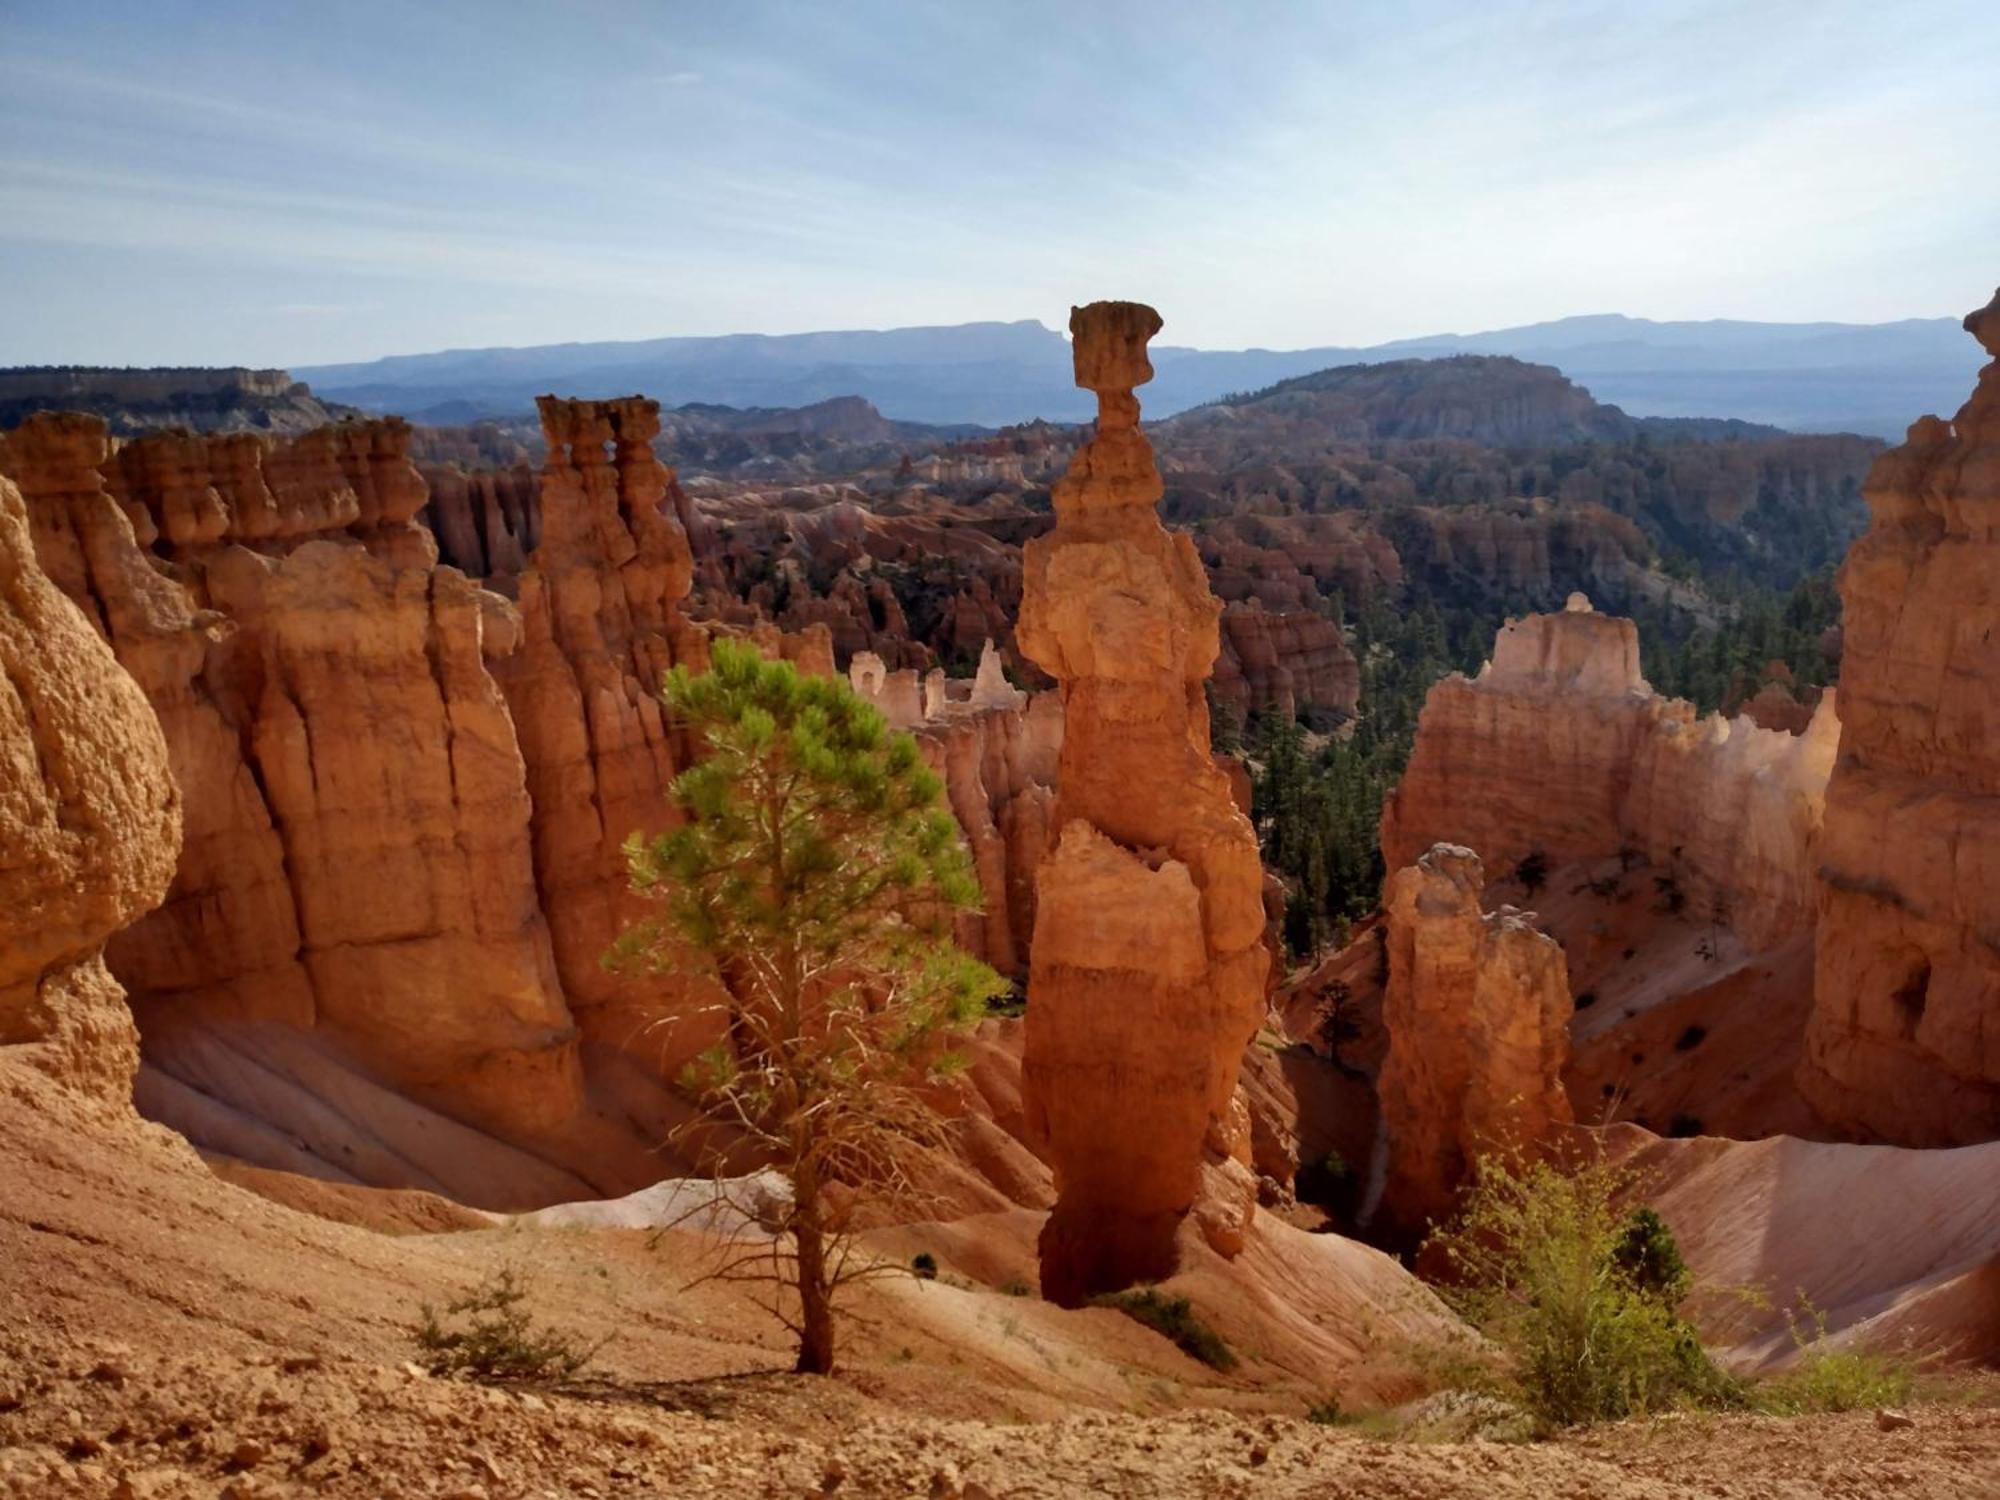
169, 1334
105, 1421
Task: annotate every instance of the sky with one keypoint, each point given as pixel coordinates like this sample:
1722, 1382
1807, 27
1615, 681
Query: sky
281, 183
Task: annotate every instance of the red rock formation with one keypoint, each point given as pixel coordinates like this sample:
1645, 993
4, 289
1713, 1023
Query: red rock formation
89, 822
356, 886
1904, 1043
1285, 662
599, 630
1146, 976
1477, 1013
486, 520
1559, 746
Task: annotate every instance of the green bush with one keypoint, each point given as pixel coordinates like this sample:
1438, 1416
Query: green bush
1825, 1379
497, 1339
1577, 1294
1175, 1318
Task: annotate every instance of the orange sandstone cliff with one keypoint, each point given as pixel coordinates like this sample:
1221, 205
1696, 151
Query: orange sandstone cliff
1904, 1043
1477, 1013
351, 974
1559, 746
1147, 971
90, 822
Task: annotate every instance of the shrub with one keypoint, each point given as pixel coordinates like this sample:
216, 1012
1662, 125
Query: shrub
1826, 1379
1578, 1296
1681, 1125
1587, 999
1014, 1286
924, 1266
1648, 1257
1690, 1039
498, 1340
1175, 1318
1326, 1413
1327, 1182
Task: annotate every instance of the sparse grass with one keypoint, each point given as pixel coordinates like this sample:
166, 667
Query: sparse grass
1014, 1286
1173, 1317
1826, 1379
496, 1339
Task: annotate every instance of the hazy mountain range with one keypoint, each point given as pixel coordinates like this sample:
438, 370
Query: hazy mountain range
1814, 377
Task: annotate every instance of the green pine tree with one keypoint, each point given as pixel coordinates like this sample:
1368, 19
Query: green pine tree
813, 881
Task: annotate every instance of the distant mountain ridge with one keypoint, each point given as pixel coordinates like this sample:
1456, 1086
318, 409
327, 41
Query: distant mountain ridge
1813, 377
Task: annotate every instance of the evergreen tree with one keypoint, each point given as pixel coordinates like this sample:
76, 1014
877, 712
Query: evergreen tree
812, 883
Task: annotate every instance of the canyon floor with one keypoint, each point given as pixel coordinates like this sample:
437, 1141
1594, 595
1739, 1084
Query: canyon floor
172, 1334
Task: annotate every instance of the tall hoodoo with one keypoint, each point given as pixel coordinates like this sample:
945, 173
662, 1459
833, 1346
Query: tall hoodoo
1904, 1043
1147, 971
1477, 1011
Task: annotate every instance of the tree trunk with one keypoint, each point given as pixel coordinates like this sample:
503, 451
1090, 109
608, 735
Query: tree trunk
815, 1299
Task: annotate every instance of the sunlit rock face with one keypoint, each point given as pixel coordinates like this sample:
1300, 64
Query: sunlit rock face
356, 859
1560, 746
1147, 971
1904, 1043
1477, 1011
90, 821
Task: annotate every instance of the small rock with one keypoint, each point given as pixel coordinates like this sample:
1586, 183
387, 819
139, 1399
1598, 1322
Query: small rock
466, 1492
11, 1398
833, 1476
531, 1402
1889, 1419
298, 1363
83, 1445
1259, 1456
247, 1454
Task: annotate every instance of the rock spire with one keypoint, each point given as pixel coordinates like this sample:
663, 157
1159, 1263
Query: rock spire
1147, 970
1904, 1043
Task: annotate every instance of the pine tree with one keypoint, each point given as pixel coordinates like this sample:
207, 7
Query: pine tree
813, 883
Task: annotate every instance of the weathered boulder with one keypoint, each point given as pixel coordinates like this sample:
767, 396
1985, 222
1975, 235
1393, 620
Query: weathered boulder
1147, 970
1904, 1043
90, 823
1477, 1013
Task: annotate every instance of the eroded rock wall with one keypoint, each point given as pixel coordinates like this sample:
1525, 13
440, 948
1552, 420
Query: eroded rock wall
90, 823
1904, 1043
356, 881
1560, 746
1477, 1013
1147, 972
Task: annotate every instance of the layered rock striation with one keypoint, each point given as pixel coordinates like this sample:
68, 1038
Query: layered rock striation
352, 973
1477, 1013
90, 823
1560, 747
1904, 1042
1147, 970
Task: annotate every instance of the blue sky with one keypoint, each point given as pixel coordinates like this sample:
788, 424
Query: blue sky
204, 181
